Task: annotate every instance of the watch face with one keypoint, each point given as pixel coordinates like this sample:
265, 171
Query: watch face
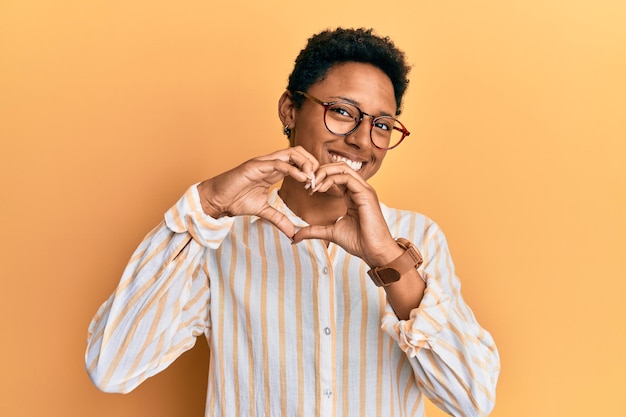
388, 275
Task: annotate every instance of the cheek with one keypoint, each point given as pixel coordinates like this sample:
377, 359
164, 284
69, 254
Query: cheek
374, 167
312, 138
305, 139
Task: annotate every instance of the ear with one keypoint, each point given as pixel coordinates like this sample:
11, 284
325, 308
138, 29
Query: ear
287, 109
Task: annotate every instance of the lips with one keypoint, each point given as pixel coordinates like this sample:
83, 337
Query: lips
355, 165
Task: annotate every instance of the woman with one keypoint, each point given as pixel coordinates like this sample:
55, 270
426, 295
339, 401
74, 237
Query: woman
308, 303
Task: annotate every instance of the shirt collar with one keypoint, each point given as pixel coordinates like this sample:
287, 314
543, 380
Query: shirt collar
276, 202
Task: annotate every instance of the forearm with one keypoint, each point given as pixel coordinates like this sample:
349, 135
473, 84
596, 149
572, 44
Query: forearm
406, 294
455, 361
404, 258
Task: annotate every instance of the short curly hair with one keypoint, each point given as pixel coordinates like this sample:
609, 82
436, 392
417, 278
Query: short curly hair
332, 47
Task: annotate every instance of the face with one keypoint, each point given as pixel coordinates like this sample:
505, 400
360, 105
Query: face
367, 87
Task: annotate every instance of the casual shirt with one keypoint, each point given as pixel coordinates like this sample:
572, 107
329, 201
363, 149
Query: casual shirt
293, 329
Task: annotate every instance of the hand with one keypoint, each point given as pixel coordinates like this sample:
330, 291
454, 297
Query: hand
243, 190
362, 231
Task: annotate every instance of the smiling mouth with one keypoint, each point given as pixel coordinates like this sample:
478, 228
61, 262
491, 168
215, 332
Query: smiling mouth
352, 164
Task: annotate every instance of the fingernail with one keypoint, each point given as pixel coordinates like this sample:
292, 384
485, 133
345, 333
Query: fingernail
307, 186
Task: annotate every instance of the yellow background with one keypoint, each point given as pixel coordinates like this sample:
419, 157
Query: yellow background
110, 109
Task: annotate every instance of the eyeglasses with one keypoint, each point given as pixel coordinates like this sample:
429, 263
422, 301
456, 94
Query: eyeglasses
343, 118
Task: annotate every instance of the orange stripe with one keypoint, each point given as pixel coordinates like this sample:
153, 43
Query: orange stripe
409, 387
178, 219
220, 334
381, 346
316, 327
264, 330
364, 334
98, 335
128, 340
400, 364
282, 339
150, 336
392, 384
346, 335
111, 326
247, 315
299, 340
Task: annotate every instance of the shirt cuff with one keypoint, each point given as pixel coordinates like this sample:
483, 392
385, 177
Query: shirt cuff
425, 322
187, 216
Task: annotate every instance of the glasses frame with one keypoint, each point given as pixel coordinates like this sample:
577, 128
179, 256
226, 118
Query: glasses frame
329, 104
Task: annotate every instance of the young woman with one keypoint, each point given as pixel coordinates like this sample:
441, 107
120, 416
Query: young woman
315, 298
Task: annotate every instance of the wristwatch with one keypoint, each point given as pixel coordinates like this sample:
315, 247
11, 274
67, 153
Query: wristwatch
390, 273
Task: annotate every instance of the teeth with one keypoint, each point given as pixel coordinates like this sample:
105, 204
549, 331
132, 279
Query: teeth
352, 164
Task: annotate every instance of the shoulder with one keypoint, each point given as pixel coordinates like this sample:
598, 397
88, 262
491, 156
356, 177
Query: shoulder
409, 224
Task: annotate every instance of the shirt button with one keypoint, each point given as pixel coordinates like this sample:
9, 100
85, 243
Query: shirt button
325, 270
328, 393
327, 331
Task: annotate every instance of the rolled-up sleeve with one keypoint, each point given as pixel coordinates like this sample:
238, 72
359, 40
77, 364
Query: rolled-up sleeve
455, 361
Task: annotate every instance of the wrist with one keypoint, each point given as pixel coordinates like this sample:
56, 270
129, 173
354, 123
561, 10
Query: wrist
204, 192
391, 272
391, 252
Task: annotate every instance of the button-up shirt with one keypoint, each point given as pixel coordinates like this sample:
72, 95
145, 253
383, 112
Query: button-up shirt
293, 329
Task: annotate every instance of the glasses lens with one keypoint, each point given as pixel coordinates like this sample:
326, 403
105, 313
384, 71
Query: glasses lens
341, 118
387, 132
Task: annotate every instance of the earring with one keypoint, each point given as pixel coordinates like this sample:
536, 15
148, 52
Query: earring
287, 130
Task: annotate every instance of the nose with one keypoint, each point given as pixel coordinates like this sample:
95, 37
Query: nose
360, 138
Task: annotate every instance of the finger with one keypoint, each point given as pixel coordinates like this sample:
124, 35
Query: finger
337, 168
343, 177
302, 154
306, 162
296, 156
284, 169
279, 220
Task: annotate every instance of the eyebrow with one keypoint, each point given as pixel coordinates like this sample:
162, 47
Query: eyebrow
356, 103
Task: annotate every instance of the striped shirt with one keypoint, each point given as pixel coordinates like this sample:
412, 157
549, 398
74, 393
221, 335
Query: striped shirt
293, 329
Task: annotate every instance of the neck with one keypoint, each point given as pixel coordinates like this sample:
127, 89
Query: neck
317, 209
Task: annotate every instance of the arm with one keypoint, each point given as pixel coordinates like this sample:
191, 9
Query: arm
364, 233
161, 303
455, 361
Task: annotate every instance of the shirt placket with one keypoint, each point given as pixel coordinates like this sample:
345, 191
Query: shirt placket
326, 338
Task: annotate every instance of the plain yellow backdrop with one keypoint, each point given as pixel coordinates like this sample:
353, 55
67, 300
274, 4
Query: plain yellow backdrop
109, 110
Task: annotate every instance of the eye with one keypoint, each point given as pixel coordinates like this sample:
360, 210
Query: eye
343, 110
384, 123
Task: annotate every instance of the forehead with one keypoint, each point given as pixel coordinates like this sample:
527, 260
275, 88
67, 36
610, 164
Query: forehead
363, 84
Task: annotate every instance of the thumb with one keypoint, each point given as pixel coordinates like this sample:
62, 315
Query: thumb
314, 232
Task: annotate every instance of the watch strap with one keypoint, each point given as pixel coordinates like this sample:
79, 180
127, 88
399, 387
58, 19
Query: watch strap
390, 273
